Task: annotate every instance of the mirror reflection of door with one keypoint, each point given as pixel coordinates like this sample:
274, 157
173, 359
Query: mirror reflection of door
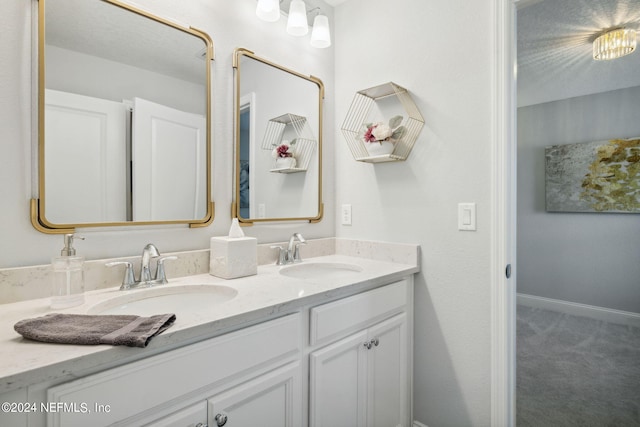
169, 159
86, 153
247, 155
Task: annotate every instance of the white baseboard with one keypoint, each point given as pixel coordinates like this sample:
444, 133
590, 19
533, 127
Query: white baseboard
576, 309
418, 424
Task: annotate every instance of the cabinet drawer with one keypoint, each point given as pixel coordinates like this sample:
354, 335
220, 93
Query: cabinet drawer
189, 416
142, 385
329, 321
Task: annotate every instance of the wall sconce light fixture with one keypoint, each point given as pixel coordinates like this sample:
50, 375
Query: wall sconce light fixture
297, 21
268, 10
614, 43
321, 34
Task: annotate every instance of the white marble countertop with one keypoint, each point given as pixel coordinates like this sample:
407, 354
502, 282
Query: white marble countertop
261, 297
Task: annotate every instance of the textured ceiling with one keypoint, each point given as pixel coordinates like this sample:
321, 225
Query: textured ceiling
555, 53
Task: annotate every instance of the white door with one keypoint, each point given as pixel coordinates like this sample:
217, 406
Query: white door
169, 163
271, 400
338, 383
388, 385
85, 159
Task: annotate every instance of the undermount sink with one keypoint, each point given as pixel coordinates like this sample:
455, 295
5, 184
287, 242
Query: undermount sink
321, 270
166, 299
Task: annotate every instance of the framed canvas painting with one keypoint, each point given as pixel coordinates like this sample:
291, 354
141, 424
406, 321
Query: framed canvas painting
601, 176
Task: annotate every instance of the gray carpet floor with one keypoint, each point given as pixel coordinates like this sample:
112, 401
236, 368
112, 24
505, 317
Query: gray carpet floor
576, 371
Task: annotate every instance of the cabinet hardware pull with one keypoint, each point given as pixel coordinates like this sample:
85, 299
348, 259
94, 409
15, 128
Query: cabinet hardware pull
373, 342
221, 419
201, 425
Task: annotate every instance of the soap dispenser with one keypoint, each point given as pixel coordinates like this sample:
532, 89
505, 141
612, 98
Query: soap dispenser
68, 276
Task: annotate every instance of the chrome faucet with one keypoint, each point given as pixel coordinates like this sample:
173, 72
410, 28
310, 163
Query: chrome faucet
149, 251
129, 282
292, 253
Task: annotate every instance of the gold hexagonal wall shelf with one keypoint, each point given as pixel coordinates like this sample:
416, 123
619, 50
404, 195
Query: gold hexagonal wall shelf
387, 97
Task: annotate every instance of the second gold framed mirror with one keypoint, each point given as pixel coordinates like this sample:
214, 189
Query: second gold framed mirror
278, 147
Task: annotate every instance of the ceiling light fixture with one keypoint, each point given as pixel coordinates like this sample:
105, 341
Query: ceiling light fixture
297, 21
614, 43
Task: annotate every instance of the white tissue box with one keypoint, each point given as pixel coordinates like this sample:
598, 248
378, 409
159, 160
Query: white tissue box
233, 257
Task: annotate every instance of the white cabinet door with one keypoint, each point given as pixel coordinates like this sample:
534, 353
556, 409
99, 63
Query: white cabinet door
338, 383
388, 387
152, 387
362, 380
271, 400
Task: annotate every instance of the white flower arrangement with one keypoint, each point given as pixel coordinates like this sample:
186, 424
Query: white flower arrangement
283, 150
379, 132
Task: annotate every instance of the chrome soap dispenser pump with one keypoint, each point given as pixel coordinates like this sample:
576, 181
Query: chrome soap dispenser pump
68, 276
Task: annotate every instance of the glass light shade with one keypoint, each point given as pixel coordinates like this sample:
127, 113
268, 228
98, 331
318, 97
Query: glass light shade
297, 23
614, 44
268, 10
321, 34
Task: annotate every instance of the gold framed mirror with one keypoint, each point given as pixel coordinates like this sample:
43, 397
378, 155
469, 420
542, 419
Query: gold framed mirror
123, 117
278, 132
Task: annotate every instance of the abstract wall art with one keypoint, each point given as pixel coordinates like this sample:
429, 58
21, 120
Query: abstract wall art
602, 176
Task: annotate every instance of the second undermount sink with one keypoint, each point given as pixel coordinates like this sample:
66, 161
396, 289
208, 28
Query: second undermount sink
166, 299
321, 270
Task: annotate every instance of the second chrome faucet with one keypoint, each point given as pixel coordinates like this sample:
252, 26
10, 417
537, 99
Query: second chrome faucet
292, 253
150, 251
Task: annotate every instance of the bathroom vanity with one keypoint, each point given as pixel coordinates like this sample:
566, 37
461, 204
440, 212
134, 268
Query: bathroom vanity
326, 342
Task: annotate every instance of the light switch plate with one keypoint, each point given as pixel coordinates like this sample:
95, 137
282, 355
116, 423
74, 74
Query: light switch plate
467, 216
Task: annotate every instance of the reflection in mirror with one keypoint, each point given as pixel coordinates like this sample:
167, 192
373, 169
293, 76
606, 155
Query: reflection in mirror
278, 142
124, 117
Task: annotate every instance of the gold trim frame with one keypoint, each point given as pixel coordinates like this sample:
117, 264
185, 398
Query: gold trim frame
37, 207
235, 207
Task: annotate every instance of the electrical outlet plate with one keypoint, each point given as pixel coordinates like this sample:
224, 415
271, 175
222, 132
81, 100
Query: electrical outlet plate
345, 215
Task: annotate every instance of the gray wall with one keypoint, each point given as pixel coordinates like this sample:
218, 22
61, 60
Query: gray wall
416, 201
588, 258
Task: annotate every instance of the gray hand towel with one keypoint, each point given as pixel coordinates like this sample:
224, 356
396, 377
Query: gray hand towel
129, 330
